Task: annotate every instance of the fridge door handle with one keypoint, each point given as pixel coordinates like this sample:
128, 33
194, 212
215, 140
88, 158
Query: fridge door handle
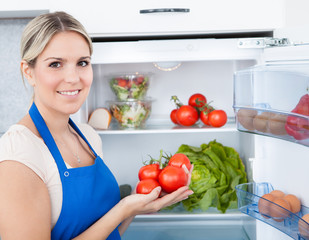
164, 10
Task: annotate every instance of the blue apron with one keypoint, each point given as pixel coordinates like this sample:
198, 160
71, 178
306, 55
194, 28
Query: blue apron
88, 192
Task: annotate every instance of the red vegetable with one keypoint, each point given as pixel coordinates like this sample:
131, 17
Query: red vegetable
173, 116
187, 115
197, 100
150, 171
298, 127
217, 118
171, 178
146, 186
122, 82
178, 159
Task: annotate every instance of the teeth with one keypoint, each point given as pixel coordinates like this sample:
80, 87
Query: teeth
69, 93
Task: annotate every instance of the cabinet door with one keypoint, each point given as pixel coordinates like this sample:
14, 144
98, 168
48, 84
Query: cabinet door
158, 17
23, 9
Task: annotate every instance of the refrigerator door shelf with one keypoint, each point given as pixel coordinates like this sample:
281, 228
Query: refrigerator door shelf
249, 195
266, 95
273, 123
233, 226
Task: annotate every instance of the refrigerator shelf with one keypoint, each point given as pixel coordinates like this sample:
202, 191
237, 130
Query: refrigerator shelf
272, 123
156, 126
249, 195
187, 226
272, 100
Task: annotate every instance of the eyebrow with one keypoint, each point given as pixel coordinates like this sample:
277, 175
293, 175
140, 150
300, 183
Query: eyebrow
61, 59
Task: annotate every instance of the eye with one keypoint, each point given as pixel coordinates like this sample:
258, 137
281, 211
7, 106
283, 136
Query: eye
55, 65
83, 63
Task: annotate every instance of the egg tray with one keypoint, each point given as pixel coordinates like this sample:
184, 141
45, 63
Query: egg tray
249, 195
279, 130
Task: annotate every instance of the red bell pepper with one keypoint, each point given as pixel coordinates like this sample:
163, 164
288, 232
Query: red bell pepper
298, 127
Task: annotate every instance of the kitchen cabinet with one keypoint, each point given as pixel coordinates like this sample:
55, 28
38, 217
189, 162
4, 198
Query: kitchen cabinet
159, 17
23, 9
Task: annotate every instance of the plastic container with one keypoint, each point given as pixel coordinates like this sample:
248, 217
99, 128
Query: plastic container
273, 100
249, 195
131, 113
130, 85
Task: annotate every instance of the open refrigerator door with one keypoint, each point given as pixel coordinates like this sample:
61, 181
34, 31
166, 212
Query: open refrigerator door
271, 103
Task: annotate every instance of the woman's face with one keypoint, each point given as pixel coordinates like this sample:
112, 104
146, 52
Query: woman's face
62, 74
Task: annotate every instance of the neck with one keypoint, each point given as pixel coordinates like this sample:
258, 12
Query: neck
56, 122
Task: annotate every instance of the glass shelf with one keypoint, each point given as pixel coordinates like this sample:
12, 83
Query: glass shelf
165, 126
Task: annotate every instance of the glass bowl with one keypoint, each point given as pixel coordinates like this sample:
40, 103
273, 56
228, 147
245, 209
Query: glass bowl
130, 85
131, 113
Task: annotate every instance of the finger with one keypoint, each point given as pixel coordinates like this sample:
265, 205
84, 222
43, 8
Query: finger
176, 196
184, 167
189, 175
155, 193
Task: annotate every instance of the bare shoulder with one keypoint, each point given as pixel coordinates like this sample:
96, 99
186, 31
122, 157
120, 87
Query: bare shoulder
27, 122
26, 203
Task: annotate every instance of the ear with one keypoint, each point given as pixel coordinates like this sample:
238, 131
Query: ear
27, 72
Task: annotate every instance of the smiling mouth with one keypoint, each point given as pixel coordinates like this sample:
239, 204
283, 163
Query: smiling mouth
69, 93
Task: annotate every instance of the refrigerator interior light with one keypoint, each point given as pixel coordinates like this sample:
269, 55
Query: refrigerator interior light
167, 66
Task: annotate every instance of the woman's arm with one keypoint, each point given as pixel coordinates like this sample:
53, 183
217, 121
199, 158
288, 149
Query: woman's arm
130, 206
25, 211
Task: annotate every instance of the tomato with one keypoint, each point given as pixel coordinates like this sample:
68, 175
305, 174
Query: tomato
150, 171
187, 115
171, 178
217, 118
122, 82
197, 100
173, 116
146, 186
178, 159
140, 80
204, 116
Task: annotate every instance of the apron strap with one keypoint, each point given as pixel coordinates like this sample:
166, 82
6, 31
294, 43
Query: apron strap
47, 137
73, 125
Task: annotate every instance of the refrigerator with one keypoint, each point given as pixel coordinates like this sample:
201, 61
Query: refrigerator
227, 51
261, 74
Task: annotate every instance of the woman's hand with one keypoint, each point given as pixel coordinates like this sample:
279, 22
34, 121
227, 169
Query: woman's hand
137, 204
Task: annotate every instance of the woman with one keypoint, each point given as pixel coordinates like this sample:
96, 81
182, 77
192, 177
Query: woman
53, 183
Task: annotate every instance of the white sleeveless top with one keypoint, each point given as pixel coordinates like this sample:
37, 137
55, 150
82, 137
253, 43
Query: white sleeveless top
21, 145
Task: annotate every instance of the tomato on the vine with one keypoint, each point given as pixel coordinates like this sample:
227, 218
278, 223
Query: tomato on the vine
146, 186
204, 118
178, 159
217, 118
150, 171
173, 116
197, 100
187, 115
171, 178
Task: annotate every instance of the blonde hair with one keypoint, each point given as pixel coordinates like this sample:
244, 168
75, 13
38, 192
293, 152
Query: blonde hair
41, 29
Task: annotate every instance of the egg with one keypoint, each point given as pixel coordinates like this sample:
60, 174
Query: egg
264, 205
277, 193
260, 122
303, 226
294, 202
245, 118
278, 210
276, 124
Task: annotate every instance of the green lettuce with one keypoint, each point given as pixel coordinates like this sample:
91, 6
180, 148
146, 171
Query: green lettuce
217, 170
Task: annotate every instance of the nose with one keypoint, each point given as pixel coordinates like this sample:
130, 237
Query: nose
72, 75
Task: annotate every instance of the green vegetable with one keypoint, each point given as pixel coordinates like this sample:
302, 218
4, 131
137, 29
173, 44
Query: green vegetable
217, 170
